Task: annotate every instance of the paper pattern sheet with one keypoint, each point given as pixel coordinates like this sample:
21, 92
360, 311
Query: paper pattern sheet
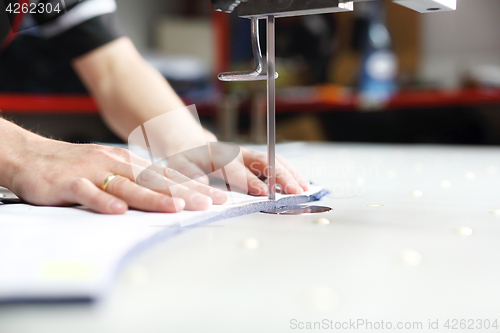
56, 254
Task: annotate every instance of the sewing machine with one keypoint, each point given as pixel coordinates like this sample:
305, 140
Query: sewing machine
270, 10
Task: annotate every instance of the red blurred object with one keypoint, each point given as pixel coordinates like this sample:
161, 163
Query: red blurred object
66, 104
41, 103
222, 23
83, 104
403, 100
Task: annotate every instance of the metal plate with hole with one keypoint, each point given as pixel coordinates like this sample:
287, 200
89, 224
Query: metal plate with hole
298, 210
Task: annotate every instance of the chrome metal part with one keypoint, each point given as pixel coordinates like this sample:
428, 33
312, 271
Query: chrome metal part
429, 6
256, 74
271, 106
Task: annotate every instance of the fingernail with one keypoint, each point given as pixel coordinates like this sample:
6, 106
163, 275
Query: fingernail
263, 188
179, 203
116, 206
304, 184
167, 201
201, 200
292, 188
298, 189
218, 194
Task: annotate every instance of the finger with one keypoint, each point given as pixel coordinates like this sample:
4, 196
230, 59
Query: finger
84, 192
130, 165
287, 181
143, 199
180, 163
256, 186
257, 163
164, 183
128, 161
217, 197
172, 183
149, 176
303, 182
240, 179
189, 169
194, 201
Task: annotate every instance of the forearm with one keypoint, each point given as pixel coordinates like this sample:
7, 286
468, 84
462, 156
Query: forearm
130, 91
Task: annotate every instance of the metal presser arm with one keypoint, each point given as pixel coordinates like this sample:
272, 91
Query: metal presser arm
272, 9
281, 8
256, 74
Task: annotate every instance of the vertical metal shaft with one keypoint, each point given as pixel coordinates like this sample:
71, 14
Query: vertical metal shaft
271, 106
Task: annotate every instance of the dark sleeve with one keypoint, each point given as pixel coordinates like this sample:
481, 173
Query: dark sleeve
89, 35
74, 29
44, 15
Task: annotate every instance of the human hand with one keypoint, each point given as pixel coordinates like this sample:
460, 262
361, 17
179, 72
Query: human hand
53, 173
247, 172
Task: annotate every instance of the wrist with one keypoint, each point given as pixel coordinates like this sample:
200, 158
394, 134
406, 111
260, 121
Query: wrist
15, 151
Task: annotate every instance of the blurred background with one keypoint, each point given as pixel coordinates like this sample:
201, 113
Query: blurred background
380, 74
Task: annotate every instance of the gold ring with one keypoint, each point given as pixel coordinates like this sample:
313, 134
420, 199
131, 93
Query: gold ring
106, 182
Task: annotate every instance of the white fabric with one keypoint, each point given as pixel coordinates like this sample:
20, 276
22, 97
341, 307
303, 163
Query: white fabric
72, 253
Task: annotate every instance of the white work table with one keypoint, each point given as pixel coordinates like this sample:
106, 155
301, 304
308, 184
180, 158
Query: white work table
414, 236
